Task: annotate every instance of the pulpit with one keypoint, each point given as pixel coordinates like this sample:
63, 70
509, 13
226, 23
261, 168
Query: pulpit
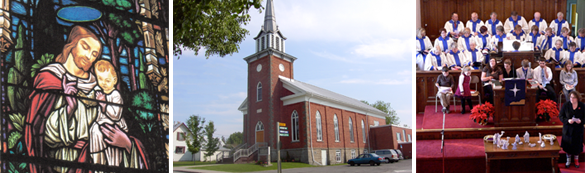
515, 115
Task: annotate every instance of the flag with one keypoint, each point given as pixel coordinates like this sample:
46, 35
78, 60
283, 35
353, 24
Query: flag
515, 92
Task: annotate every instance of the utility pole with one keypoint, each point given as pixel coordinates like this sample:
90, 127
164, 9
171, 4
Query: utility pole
279, 170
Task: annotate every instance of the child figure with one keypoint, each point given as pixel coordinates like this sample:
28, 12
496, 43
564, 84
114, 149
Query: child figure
108, 113
463, 90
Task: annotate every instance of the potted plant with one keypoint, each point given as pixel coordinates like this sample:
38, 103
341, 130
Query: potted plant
481, 113
546, 109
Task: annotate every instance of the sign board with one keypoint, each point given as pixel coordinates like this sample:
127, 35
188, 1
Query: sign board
283, 131
283, 134
283, 128
281, 124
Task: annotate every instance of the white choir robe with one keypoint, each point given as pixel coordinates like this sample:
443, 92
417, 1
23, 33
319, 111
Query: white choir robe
512, 36
464, 42
427, 44
575, 57
557, 25
535, 39
435, 61
547, 42
566, 41
495, 39
478, 57
449, 26
551, 54
542, 25
446, 45
478, 25
479, 39
457, 59
491, 26
509, 24
580, 42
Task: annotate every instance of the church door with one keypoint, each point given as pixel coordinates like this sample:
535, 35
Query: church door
259, 132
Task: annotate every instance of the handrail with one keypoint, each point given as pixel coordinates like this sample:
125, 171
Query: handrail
248, 151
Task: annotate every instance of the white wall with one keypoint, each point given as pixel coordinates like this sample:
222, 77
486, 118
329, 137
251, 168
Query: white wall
187, 156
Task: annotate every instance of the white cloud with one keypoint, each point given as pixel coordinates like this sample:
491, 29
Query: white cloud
335, 57
378, 82
239, 95
391, 49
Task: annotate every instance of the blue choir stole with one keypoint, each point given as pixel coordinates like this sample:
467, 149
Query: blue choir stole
483, 39
557, 55
582, 41
438, 58
534, 38
467, 41
515, 92
456, 57
565, 42
493, 24
455, 25
501, 38
559, 25
422, 48
572, 57
548, 43
445, 44
537, 23
474, 24
516, 21
518, 36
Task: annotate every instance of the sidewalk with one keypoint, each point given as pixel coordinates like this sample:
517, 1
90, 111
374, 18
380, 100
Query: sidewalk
189, 170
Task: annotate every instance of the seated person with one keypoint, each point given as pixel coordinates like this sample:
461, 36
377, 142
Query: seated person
499, 37
483, 43
525, 72
533, 37
489, 73
474, 24
546, 40
445, 80
565, 37
443, 41
423, 47
516, 45
465, 39
508, 71
515, 20
454, 26
568, 79
559, 23
580, 40
516, 34
436, 60
456, 57
556, 55
540, 23
573, 55
493, 23
474, 56
543, 76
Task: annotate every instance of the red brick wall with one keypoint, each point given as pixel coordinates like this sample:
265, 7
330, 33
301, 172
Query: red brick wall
286, 118
384, 137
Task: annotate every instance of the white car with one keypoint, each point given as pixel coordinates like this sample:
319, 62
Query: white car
388, 154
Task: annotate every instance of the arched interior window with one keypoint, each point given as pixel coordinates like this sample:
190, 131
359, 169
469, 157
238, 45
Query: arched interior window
259, 92
295, 126
259, 126
319, 128
336, 127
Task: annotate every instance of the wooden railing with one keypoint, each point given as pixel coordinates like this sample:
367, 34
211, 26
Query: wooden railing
248, 151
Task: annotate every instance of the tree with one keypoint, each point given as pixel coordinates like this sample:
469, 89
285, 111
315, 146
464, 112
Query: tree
212, 143
392, 117
235, 139
214, 25
194, 137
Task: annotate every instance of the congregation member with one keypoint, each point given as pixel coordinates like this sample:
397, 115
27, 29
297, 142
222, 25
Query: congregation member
464, 41
483, 43
444, 41
445, 80
525, 72
474, 56
571, 115
499, 37
436, 60
456, 57
546, 40
556, 54
493, 23
540, 23
508, 72
474, 24
534, 37
516, 34
580, 40
490, 72
568, 79
543, 76
515, 20
463, 91
423, 46
454, 26
565, 37
559, 24
574, 55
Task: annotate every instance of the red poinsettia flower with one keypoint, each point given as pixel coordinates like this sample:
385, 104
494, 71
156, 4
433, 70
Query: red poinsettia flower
546, 109
480, 113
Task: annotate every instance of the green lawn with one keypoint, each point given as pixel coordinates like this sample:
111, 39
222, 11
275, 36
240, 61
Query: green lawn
251, 167
190, 163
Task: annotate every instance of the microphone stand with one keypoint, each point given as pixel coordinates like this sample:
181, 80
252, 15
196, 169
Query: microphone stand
443, 142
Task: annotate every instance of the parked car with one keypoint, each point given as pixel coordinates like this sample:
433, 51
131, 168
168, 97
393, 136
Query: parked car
371, 158
400, 156
388, 154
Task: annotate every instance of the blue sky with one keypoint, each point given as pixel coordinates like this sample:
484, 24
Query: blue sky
358, 50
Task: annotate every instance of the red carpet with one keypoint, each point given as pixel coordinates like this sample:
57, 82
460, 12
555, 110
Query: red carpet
434, 120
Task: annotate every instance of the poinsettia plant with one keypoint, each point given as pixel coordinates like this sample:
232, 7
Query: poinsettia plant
481, 113
546, 109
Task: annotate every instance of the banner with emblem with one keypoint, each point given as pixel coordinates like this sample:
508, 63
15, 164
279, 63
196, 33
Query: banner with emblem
515, 92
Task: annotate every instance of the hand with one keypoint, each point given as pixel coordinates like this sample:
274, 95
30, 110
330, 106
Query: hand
571, 121
116, 137
79, 144
69, 89
578, 121
101, 97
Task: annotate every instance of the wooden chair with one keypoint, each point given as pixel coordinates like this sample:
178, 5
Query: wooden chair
475, 80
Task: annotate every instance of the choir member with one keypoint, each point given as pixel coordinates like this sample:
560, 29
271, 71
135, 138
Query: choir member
474, 56
474, 24
444, 41
493, 23
514, 20
540, 23
454, 26
559, 23
456, 57
516, 34
423, 46
556, 54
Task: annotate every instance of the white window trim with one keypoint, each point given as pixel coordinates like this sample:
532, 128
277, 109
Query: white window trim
409, 138
294, 121
319, 126
338, 155
353, 153
398, 137
336, 127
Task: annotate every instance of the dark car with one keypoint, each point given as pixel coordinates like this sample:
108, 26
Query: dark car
370, 158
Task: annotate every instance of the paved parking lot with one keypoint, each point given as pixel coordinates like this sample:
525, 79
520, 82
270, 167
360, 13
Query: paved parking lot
404, 166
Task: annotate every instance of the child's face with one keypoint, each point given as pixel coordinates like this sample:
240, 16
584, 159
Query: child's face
582, 34
558, 44
534, 32
106, 81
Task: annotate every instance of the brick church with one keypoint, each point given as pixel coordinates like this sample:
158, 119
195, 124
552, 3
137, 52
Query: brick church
324, 127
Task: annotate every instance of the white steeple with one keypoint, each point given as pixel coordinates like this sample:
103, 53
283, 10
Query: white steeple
270, 36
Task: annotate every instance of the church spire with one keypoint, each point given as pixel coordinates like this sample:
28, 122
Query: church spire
270, 18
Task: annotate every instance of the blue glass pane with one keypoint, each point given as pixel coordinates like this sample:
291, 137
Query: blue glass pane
17, 7
79, 14
63, 22
117, 41
106, 57
15, 20
123, 60
136, 72
136, 52
25, 1
124, 53
25, 23
31, 12
103, 42
55, 7
69, 2
9, 56
106, 50
142, 49
64, 36
137, 62
104, 30
13, 34
32, 42
94, 29
140, 43
127, 80
32, 54
162, 61
124, 69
